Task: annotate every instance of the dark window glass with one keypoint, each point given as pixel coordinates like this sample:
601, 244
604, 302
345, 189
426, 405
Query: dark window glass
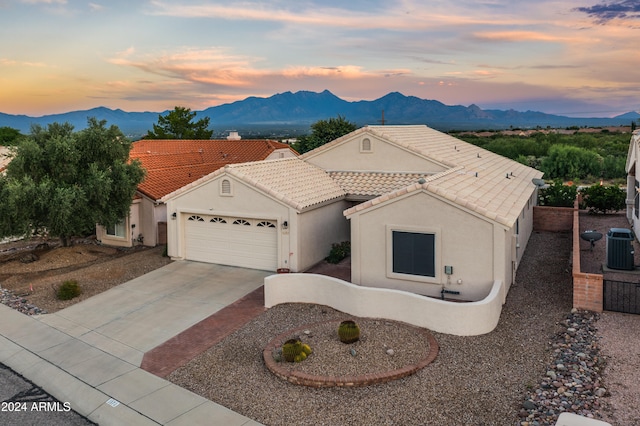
414, 253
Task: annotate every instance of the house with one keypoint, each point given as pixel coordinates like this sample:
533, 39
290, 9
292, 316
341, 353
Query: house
424, 211
633, 185
170, 165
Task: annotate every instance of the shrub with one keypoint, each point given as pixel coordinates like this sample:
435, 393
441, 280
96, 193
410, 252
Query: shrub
68, 290
603, 198
339, 251
557, 195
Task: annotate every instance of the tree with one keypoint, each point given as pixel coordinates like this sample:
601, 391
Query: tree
571, 162
9, 136
324, 131
178, 124
64, 182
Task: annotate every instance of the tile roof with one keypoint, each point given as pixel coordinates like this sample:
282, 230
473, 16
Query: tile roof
172, 164
374, 183
487, 183
297, 183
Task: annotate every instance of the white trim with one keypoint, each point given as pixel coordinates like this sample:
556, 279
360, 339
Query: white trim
437, 253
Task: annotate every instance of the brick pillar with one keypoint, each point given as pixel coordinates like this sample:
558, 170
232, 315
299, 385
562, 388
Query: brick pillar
587, 292
587, 288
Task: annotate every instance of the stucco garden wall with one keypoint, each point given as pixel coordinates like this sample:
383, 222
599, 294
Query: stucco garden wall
462, 319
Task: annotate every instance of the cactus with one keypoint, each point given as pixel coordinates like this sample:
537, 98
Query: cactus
306, 349
290, 349
293, 350
348, 332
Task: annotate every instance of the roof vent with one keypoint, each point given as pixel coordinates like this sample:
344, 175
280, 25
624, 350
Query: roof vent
421, 181
233, 136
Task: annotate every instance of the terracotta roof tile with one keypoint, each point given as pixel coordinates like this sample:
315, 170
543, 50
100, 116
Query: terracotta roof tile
172, 164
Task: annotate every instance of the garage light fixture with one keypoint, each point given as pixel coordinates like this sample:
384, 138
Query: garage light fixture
173, 216
285, 225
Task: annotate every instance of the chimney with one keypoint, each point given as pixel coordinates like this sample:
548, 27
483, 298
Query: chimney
233, 136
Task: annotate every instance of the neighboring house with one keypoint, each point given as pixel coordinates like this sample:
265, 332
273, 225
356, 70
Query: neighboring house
170, 165
633, 185
424, 212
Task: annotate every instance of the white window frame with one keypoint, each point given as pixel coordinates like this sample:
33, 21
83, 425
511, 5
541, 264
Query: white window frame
437, 253
120, 226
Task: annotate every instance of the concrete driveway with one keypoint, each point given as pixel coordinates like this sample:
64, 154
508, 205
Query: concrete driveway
133, 318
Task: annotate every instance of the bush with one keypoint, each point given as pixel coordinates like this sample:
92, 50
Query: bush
603, 198
339, 251
557, 195
68, 290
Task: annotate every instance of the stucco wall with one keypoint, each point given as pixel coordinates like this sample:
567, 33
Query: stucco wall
462, 319
383, 157
464, 241
318, 229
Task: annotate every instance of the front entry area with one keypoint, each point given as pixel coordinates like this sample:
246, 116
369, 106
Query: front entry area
235, 241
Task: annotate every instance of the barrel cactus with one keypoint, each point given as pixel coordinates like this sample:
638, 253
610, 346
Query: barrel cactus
348, 331
290, 349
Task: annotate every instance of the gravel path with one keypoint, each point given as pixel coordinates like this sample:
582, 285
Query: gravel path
474, 380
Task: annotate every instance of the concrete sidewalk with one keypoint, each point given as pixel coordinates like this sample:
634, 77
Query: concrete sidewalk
89, 354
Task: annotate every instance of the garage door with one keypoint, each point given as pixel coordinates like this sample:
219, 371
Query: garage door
235, 241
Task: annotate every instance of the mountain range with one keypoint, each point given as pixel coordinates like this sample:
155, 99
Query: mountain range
295, 112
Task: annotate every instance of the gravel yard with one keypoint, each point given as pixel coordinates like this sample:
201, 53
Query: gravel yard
474, 380
32, 270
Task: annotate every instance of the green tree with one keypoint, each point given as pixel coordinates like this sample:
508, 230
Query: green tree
64, 182
179, 124
9, 136
557, 195
571, 162
604, 198
324, 131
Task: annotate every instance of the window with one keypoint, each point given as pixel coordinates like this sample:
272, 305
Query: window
241, 222
218, 220
414, 253
117, 230
225, 187
365, 146
196, 218
265, 224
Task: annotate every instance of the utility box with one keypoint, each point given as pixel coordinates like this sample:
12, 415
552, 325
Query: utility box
620, 249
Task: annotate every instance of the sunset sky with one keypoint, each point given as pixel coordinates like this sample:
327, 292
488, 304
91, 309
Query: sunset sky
575, 58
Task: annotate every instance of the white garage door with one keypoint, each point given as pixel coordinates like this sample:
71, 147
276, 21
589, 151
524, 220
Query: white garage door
249, 243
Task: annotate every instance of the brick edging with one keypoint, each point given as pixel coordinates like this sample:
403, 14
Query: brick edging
316, 381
